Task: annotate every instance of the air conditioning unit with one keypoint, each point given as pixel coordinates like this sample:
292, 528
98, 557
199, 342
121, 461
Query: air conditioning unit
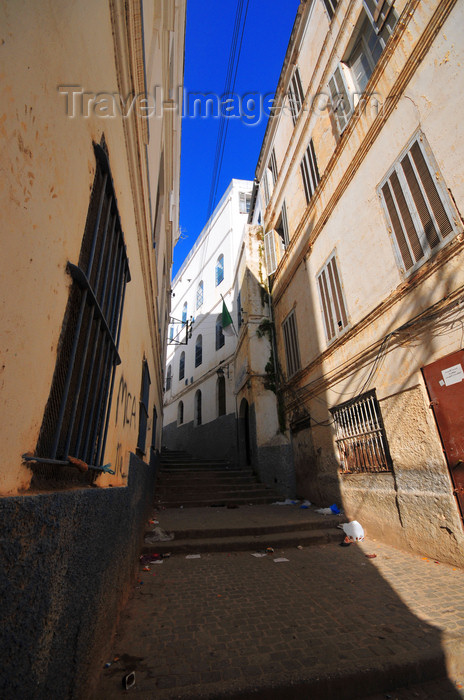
273, 250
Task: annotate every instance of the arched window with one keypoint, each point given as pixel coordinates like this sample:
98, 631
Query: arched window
198, 408
221, 395
219, 270
220, 340
184, 314
182, 366
199, 351
200, 294
180, 413
168, 378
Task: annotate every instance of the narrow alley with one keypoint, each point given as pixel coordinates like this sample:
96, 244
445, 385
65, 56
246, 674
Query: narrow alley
313, 621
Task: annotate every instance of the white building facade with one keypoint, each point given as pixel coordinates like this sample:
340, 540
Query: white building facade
200, 404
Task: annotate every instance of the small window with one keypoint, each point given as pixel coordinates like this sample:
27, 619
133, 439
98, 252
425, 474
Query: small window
310, 172
200, 294
350, 78
180, 413
244, 202
184, 314
219, 270
143, 407
360, 435
221, 395
273, 167
197, 420
169, 378
239, 310
171, 333
292, 352
182, 365
295, 95
220, 339
330, 6
331, 298
199, 351
417, 206
282, 226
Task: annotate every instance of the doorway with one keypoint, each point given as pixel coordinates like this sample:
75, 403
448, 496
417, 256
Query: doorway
244, 432
445, 385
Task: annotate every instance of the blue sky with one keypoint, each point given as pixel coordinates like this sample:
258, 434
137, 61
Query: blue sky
208, 41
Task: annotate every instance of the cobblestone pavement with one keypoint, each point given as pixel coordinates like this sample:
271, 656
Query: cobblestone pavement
327, 623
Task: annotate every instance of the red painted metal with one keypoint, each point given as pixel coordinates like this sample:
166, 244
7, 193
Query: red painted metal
445, 383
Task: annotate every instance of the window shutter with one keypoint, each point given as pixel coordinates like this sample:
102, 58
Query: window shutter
270, 257
415, 207
332, 301
291, 344
341, 102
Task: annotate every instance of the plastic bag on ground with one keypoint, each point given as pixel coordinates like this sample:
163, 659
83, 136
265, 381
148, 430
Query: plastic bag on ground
158, 535
287, 502
354, 531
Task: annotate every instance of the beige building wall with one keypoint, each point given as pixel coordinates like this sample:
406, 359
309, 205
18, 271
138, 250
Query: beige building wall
49, 165
417, 87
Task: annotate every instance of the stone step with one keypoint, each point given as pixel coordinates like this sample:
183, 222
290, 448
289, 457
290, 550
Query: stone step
211, 501
200, 475
246, 542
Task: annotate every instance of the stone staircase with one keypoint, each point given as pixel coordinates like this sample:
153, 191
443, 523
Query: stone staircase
184, 481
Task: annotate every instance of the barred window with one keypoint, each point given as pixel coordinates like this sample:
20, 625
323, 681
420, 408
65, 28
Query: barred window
360, 435
143, 411
180, 413
182, 365
273, 167
199, 351
169, 378
310, 172
197, 417
75, 422
417, 206
292, 351
331, 298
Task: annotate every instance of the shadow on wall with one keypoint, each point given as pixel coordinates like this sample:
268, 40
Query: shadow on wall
69, 560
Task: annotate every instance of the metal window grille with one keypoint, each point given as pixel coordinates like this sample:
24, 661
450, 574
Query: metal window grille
180, 413
418, 208
295, 95
292, 351
169, 378
265, 187
198, 408
330, 6
220, 339
199, 351
360, 435
143, 411
221, 396
331, 298
310, 172
182, 366
76, 417
219, 270
200, 295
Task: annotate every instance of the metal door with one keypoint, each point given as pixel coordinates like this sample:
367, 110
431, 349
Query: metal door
445, 384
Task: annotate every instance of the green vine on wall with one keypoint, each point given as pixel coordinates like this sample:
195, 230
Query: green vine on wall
266, 329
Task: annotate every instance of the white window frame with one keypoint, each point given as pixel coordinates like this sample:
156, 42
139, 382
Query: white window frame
332, 298
438, 181
310, 172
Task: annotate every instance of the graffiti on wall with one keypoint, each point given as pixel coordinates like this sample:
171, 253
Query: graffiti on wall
126, 405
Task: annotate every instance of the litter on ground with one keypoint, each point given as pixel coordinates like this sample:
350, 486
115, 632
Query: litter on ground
193, 556
258, 554
353, 531
158, 535
280, 559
